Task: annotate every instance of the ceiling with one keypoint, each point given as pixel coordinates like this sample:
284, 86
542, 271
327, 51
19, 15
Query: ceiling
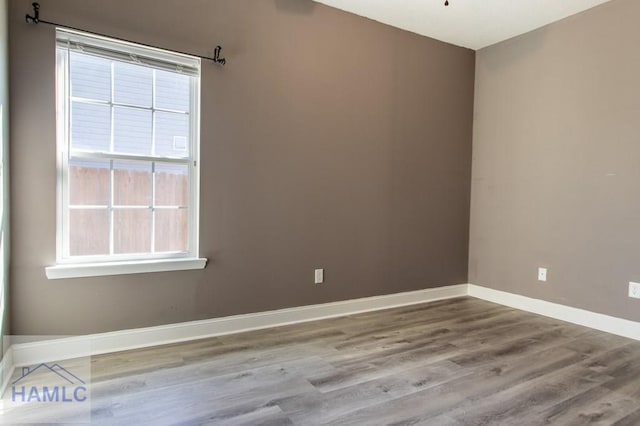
469, 23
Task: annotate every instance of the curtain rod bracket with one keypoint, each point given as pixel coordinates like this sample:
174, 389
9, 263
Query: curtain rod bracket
35, 19
36, 14
216, 56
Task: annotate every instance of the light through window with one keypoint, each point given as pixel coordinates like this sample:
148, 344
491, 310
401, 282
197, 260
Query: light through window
128, 150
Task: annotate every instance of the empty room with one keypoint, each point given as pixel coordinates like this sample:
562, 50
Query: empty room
320, 212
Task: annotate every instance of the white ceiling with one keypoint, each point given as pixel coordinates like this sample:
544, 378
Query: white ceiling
469, 23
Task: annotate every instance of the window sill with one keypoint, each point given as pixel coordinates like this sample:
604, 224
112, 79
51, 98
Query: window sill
79, 270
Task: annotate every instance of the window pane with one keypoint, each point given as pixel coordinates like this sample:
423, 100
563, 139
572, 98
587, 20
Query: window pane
172, 91
132, 131
88, 182
171, 230
126, 188
88, 232
171, 184
172, 134
90, 126
132, 84
131, 231
131, 183
90, 77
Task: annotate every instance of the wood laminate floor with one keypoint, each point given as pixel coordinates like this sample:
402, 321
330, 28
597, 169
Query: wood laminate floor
456, 362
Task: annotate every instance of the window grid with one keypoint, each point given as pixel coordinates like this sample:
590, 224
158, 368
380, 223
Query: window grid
112, 207
125, 105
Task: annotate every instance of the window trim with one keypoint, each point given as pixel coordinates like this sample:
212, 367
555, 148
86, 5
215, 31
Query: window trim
99, 269
154, 57
113, 264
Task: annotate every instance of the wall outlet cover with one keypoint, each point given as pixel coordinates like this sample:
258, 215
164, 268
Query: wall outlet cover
542, 274
634, 290
319, 276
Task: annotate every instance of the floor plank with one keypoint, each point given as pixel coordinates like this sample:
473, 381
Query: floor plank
453, 362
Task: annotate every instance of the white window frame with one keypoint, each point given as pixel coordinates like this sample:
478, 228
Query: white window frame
114, 264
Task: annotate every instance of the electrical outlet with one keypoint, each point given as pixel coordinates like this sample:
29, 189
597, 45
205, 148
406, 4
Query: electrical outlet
634, 290
319, 276
542, 274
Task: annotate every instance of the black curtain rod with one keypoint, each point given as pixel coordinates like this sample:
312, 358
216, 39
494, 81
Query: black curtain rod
35, 19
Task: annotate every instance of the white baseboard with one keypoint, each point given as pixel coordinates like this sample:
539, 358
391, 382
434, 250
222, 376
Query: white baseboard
613, 325
7, 367
94, 344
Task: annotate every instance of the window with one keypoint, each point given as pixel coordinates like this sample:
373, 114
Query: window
128, 119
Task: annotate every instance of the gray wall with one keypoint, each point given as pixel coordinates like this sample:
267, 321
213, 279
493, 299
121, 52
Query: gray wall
556, 162
328, 141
